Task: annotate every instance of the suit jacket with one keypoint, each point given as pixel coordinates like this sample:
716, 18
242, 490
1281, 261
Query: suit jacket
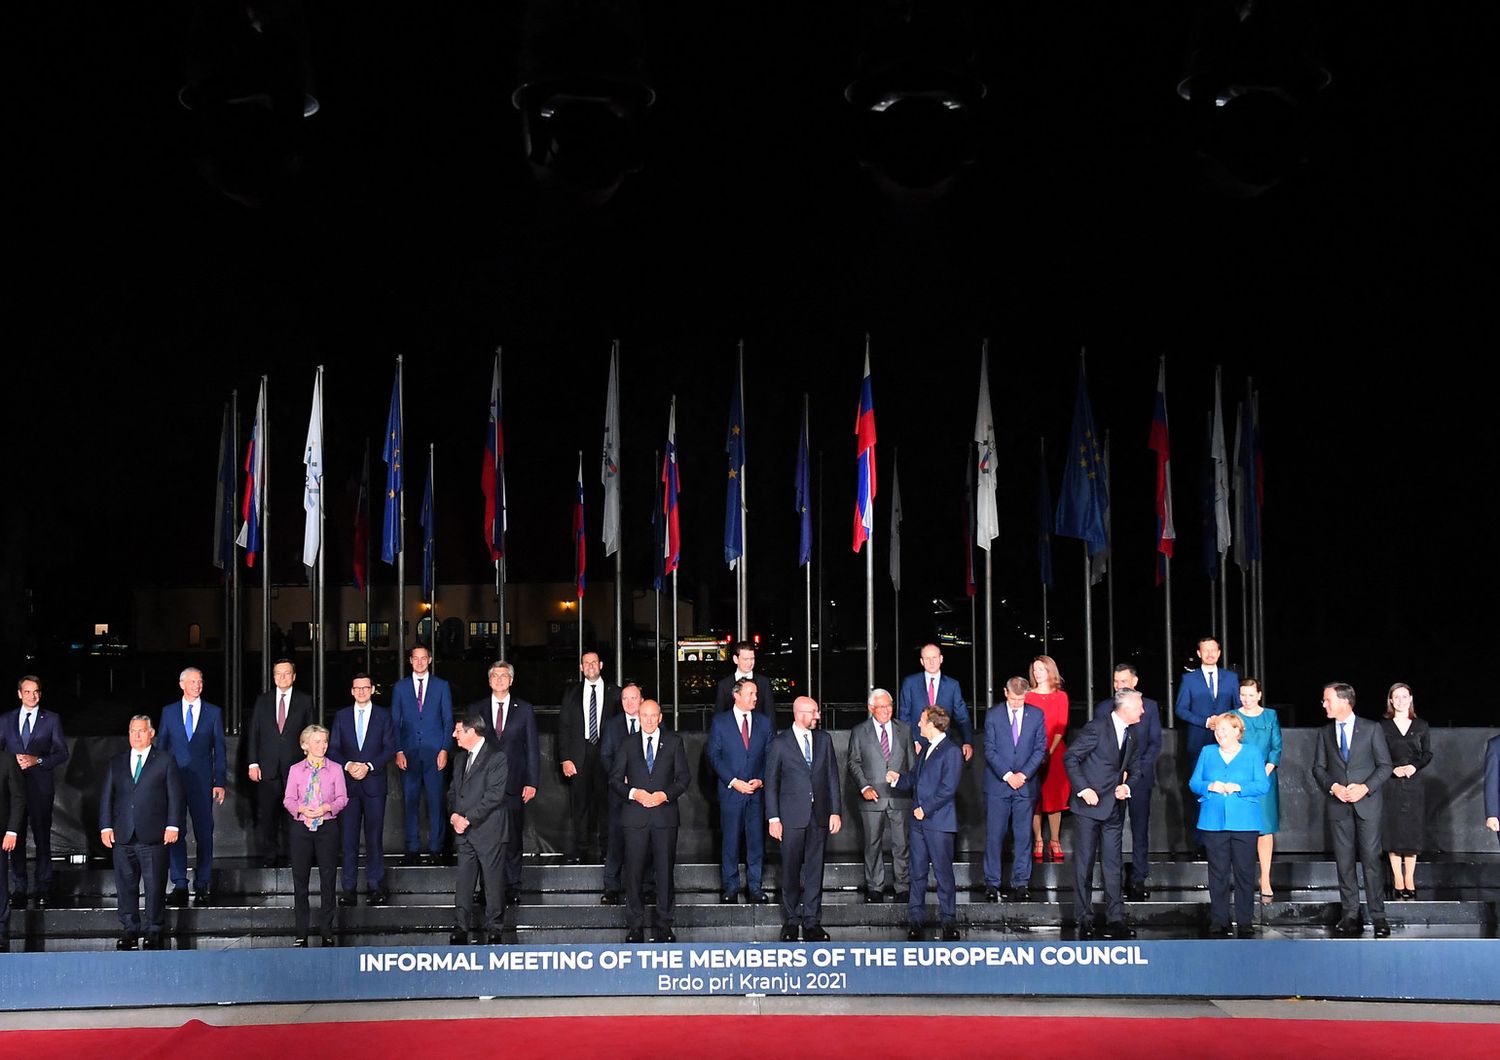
670, 774
728, 755
479, 795
428, 729
1492, 777
765, 702
934, 785
1369, 764
141, 811
1096, 761
523, 753
1195, 706
1148, 731
572, 734
949, 696
795, 793
12, 799
1236, 812
379, 749
1002, 756
275, 751
47, 743
867, 765
202, 758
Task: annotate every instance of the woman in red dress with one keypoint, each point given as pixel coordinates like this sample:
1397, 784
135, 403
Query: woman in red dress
1047, 693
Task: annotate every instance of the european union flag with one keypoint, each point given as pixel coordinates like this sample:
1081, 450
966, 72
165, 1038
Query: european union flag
390, 545
428, 579
1085, 493
734, 446
804, 496
1044, 523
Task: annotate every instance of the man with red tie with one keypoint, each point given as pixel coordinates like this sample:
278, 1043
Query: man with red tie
276, 725
737, 742
513, 732
422, 711
931, 688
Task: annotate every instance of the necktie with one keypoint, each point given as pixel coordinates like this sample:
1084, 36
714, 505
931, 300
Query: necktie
885, 742
745, 731
136, 774
500, 716
26, 731
932, 691
421, 693
593, 714
1213, 685
281, 713
807, 748
650, 754
1344, 740
359, 727
187, 723
631, 723
1015, 726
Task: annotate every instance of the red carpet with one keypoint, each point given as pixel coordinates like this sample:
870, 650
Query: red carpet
759, 1037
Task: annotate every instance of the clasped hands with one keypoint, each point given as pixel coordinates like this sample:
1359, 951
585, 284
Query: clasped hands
1223, 787
746, 787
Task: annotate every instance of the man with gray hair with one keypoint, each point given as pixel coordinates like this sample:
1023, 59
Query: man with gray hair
140, 819
513, 733
882, 745
192, 732
1101, 765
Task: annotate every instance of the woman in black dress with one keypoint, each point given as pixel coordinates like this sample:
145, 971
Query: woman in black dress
1404, 817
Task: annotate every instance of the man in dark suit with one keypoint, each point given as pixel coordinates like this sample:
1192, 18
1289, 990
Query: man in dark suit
743, 658
422, 711
876, 747
276, 725
803, 801
140, 817
623, 726
737, 742
13, 814
1015, 742
1492, 785
651, 773
1350, 763
364, 742
476, 805
930, 688
1142, 781
513, 732
192, 732
1100, 764
934, 822
586, 708
35, 737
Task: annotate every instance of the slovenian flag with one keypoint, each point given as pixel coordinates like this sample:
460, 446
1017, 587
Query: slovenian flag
864, 450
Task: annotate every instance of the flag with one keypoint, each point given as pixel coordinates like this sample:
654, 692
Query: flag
896, 527
1206, 500
312, 482
224, 498
734, 447
362, 526
987, 514
658, 536
392, 541
864, 458
1246, 485
804, 495
609, 469
1224, 535
1160, 443
255, 482
971, 587
428, 529
1099, 561
1085, 493
492, 474
580, 541
671, 483
1044, 521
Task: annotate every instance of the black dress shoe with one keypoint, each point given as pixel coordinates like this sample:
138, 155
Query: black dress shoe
1382, 928
903, 897
178, 898
458, 938
790, 932
4, 943
663, 935
495, 939
759, 898
1348, 928
1022, 894
153, 942
609, 898
1117, 929
1085, 929
513, 897
377, 897
329, 940
1136, 894
635, 935
573, 859
300, 942
1245, 931
43, 899
915, 934
1220, 931
410, 860
1007, 893
950, 933
873, 897
125, 942
991, 894
202, 898
815, 934
728, 898
347, 898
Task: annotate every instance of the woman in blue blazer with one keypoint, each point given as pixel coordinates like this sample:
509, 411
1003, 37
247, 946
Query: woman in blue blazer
1229, 780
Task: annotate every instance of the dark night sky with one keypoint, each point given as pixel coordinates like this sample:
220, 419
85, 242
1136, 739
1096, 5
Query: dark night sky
1358, 293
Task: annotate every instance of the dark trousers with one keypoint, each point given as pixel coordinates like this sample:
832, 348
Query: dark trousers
742, 816
587, 792
933, 849
421, 778
656, 847
1008, 813
514, 841
614, 857
199, 795
270, 816
38, 820
1138, 806
364, 815
1232, 862
802, 874
4, 896
1355, 837
138, 864
321, 846
479, 863
1107, 839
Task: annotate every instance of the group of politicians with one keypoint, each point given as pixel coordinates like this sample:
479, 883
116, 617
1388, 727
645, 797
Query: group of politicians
320, 792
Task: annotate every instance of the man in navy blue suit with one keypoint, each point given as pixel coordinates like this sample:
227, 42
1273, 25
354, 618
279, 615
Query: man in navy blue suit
1204, 694
1142, 781
1100, 765
35, 737
1492, 785
934, 821
422, 711
1015, 742
619, 728
930, 688
513, 731
12, 819
802, 808
140, 817
192, 732
364, 742
737, 742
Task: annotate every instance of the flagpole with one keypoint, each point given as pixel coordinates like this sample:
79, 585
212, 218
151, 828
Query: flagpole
989, 629
894, 545
401, 530
676, 685
744, 578
1166, 578
1259, 580
263, 484
369, 617
807, 573
1109, 589
1046, 629
619, 552
577, 583
1088, 628
500, 570
431, 564
822, 618
235, 670
656, 585
322, 667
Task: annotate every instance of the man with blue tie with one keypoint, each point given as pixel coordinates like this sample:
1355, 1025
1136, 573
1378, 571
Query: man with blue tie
1142, 781
802, 807
585, 709
934, 822
192, 732
35, 737
512, 732
931, 689
422, 712
737, 742
1100, 765
1015, 743
622, 727
651, 773
140, 818
1351, 762
364, 742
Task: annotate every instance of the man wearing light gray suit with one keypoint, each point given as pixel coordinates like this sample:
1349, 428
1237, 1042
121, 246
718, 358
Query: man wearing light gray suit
875, 748
1350, 763
480, 819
